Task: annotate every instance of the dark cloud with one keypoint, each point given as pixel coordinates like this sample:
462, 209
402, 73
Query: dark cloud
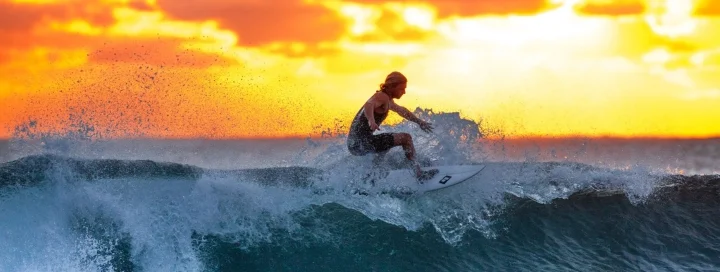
618, 8
262, 22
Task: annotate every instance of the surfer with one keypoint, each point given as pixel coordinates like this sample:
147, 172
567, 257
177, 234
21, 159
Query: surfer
361, 140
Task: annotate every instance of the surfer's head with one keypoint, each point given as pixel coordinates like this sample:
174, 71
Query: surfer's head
394, 85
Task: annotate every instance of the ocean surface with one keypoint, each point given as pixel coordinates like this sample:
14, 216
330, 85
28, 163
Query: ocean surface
74, 204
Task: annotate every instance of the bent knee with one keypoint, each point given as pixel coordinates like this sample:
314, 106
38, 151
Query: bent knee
402, 138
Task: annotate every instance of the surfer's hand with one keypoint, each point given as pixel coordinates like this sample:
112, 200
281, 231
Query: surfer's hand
427, 127
373, 126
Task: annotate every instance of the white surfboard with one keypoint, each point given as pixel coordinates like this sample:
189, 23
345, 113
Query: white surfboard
403, 181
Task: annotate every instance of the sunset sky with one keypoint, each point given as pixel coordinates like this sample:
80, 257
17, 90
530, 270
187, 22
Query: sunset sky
293, 68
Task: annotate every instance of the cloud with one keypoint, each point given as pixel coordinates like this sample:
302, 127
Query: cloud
498, 7
56, 40
615, 8
17, 18
448, 8
55, 27
398, 34
391, 26
709, 58
679, 46
23, 17
711, 94
24, 25
140, 5
708, 8
262, 22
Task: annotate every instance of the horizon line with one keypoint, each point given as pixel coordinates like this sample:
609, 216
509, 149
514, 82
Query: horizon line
490, 138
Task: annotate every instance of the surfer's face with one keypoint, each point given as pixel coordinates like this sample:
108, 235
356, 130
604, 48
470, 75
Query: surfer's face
399, 90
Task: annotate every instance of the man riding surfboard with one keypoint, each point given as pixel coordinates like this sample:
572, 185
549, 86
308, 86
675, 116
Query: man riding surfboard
361, 140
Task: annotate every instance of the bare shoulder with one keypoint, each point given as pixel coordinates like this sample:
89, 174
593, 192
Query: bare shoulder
380, 98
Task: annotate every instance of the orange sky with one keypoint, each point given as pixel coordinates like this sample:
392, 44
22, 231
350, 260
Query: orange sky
256, 68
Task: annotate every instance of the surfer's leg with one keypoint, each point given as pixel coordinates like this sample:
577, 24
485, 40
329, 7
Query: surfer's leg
379, 157
385, 141
359, 146
381, 144
405, 140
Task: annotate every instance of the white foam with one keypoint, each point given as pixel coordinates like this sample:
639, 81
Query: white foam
159, 216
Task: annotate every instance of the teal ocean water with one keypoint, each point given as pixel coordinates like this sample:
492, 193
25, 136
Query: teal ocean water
69, 204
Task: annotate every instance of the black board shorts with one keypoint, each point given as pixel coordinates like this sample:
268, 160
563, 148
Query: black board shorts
373, 144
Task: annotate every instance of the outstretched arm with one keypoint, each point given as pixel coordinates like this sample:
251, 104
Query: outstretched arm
407, 114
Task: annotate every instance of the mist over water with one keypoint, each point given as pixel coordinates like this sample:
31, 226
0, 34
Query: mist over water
74, 203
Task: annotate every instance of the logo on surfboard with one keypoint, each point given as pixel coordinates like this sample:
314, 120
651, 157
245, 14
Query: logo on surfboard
445, 179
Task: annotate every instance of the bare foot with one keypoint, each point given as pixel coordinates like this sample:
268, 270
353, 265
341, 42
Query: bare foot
426, 175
